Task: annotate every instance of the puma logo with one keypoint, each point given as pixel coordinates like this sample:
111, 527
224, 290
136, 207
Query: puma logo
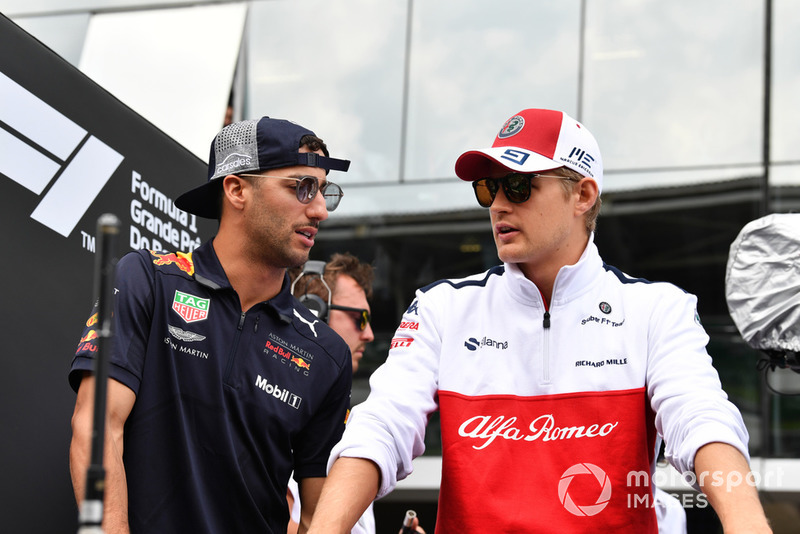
310, 324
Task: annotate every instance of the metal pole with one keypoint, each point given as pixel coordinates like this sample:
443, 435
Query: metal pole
581, 59
406, 81
91, 513
764, 209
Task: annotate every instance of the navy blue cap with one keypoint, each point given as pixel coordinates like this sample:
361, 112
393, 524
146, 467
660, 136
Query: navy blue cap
252, 146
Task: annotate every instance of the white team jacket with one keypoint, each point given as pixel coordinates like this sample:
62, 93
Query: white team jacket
548, 417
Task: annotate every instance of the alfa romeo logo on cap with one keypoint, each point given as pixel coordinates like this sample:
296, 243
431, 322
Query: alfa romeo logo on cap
511, 127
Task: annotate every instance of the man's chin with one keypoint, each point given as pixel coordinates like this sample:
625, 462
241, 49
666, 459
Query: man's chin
356, 360
297, 259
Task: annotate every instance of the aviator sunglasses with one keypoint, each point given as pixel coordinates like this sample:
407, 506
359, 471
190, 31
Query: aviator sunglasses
306, 189
363, 318
516, 186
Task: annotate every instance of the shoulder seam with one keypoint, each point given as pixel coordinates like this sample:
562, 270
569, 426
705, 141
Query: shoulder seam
625, 279
497, 269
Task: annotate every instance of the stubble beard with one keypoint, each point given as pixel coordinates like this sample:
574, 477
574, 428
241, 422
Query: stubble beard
270, 242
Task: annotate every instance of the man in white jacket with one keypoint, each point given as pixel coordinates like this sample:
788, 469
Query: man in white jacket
554, 373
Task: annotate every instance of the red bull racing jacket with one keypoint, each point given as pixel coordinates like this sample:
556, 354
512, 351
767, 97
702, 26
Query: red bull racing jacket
549, 417
228, 402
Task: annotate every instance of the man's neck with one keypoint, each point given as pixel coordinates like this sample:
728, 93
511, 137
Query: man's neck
253, 281
543, 274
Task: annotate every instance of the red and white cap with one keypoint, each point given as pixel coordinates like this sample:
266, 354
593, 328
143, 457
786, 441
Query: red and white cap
536, 140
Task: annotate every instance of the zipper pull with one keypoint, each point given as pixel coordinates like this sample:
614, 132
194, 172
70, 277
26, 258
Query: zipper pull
546, 320
255, 326
241, 321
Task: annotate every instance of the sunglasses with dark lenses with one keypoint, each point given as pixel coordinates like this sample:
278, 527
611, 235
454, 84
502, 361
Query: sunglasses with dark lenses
306, 189
516, 187
363, 318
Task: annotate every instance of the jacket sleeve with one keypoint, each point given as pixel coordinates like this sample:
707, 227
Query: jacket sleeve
685, 392
133, 311
312, 446
389, 427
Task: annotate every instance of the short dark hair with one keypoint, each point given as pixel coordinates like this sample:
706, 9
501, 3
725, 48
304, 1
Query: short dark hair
339, 263
314, 143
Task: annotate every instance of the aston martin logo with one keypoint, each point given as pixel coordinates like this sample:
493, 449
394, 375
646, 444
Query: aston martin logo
185, 335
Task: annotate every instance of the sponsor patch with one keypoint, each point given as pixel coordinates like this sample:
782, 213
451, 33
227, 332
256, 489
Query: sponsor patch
182, 260
309, 323
512, 126
601, 363
282, 394
89, 337
185, 335
190, 307
282, 351
601, 321
88, 342
474, 344
232, 162
400, 342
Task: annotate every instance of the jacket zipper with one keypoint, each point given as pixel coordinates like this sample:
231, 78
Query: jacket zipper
234, 347
546, 347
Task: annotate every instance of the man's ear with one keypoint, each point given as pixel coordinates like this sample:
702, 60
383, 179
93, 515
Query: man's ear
233, 188
587, 192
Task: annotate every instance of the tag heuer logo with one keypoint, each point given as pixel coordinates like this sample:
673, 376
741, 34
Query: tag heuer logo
189, 307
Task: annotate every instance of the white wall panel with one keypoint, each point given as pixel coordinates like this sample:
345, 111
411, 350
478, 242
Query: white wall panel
173, 66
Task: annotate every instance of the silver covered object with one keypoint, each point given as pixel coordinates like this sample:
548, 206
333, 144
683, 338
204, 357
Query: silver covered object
762, 283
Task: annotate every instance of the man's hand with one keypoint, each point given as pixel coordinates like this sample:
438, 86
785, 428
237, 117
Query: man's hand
414, 527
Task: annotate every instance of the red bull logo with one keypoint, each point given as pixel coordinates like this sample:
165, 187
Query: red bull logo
87, 344
86, 347
92, 320
301, 363
89, 337
181, 259
276, 350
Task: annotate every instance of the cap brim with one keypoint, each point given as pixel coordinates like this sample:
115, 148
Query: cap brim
476, 164
202, 201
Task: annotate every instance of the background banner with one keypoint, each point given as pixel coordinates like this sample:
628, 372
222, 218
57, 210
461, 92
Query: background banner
69, 152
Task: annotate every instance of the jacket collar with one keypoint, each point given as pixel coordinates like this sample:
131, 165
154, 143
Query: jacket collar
571, 281
209, 272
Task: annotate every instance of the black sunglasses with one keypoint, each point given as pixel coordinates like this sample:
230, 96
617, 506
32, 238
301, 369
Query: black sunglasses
363, 318
516, 186
308, 186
